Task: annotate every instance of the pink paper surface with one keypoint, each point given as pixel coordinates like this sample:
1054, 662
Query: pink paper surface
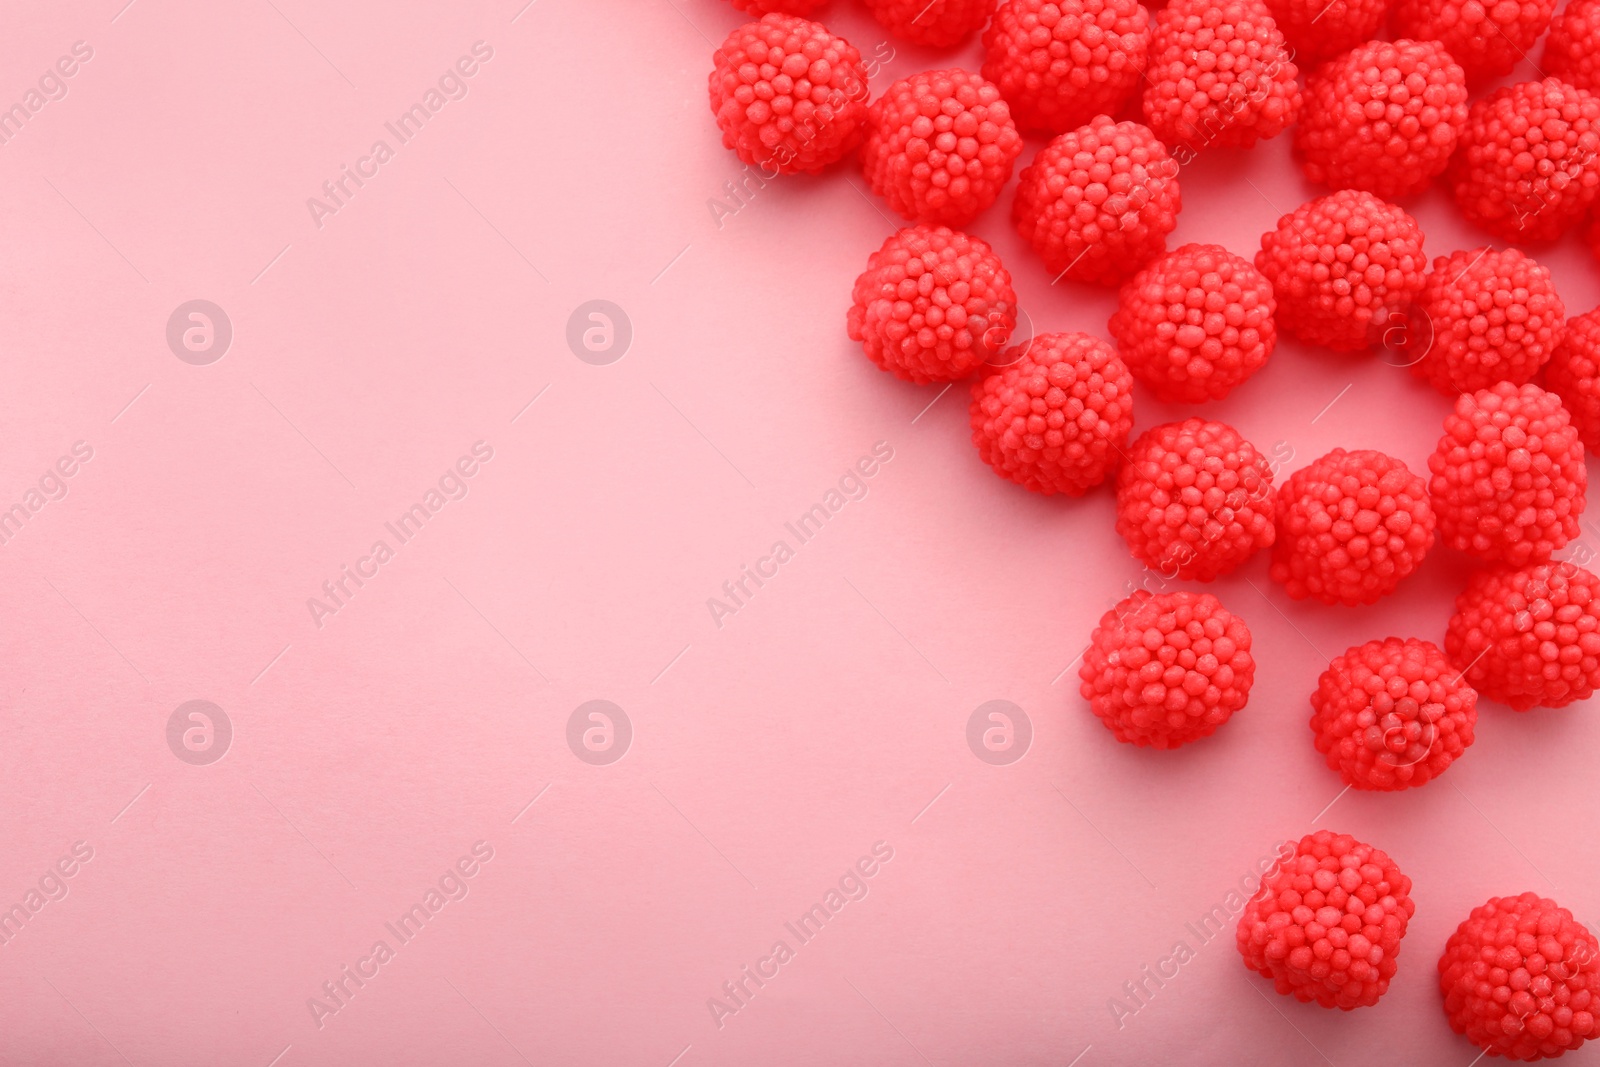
374, 747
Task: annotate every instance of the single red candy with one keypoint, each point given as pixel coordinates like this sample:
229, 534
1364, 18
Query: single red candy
1062, 62
1573, 374
1528, 636
1487, 37
1572, 51
1322, 29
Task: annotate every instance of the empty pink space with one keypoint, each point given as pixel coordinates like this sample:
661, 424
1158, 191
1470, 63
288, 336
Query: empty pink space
496, 615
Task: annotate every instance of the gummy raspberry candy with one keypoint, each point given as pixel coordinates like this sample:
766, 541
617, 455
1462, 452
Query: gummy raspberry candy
1528, 637
1392, 714
1343, 268
1528, 166
1573, 374
789, 96
1220, 74
1483, 316
1195, 323
940, 146
1062, 62
1056, 414
933, 305
1327, 922
932, 23
803, 8
1194, 499
1097, 203
1487, 37
1384, 117
1164, 669
1508, 475
1519, 978
1321, 29
1350, 527
1572, 51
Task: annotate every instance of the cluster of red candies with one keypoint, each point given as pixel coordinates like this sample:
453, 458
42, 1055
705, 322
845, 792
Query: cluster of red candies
1375, 121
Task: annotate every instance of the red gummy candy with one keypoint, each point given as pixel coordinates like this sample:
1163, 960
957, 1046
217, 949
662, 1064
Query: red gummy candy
933, 305
1483, 316
1344, 268
1195, 323
1165, 669
1528, 166
1392, 714
1519, 978
1350, 527
1098, 202
1508, 475
789, 96
1573, 374
932, 23
1572, 51
1327, 922
1528, 637
940, 146
1194, 499
1055, 416
1062, 62
1487, 37
1384, 117
1220, 74
1322, 29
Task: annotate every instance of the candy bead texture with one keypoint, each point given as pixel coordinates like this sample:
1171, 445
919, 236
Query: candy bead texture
1483, 316
1572, 51
789, 96
1528, 166
1164, 669
1097, 203
1487, 37
1327, 922
1573, 374
940, 146
1392, 714
1194, 500
1508, 475
1219, 75
1322, 29
1062, 62
933, 305
1350, 527
1344, 268
1055, 416
1527, 637
1519, 978
1195, 323
1384, 117
931, 23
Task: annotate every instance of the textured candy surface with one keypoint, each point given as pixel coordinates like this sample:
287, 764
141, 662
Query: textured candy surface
1483, 316
1164, 669
1508, 475
1350, 526
1059, 63
1573, 374
1327, 922
1527, 636
1384, 117
1519, 978
1486, 38
1572, 51
1195, 323
1098, 202
932, 23
789, 96
940, 146
1321, 29
1219, 74
1343, 267
933, 305
1392, 714
1194, 499
1055, 417
1528, 167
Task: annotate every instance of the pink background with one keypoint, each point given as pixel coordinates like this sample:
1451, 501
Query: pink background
371, 753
